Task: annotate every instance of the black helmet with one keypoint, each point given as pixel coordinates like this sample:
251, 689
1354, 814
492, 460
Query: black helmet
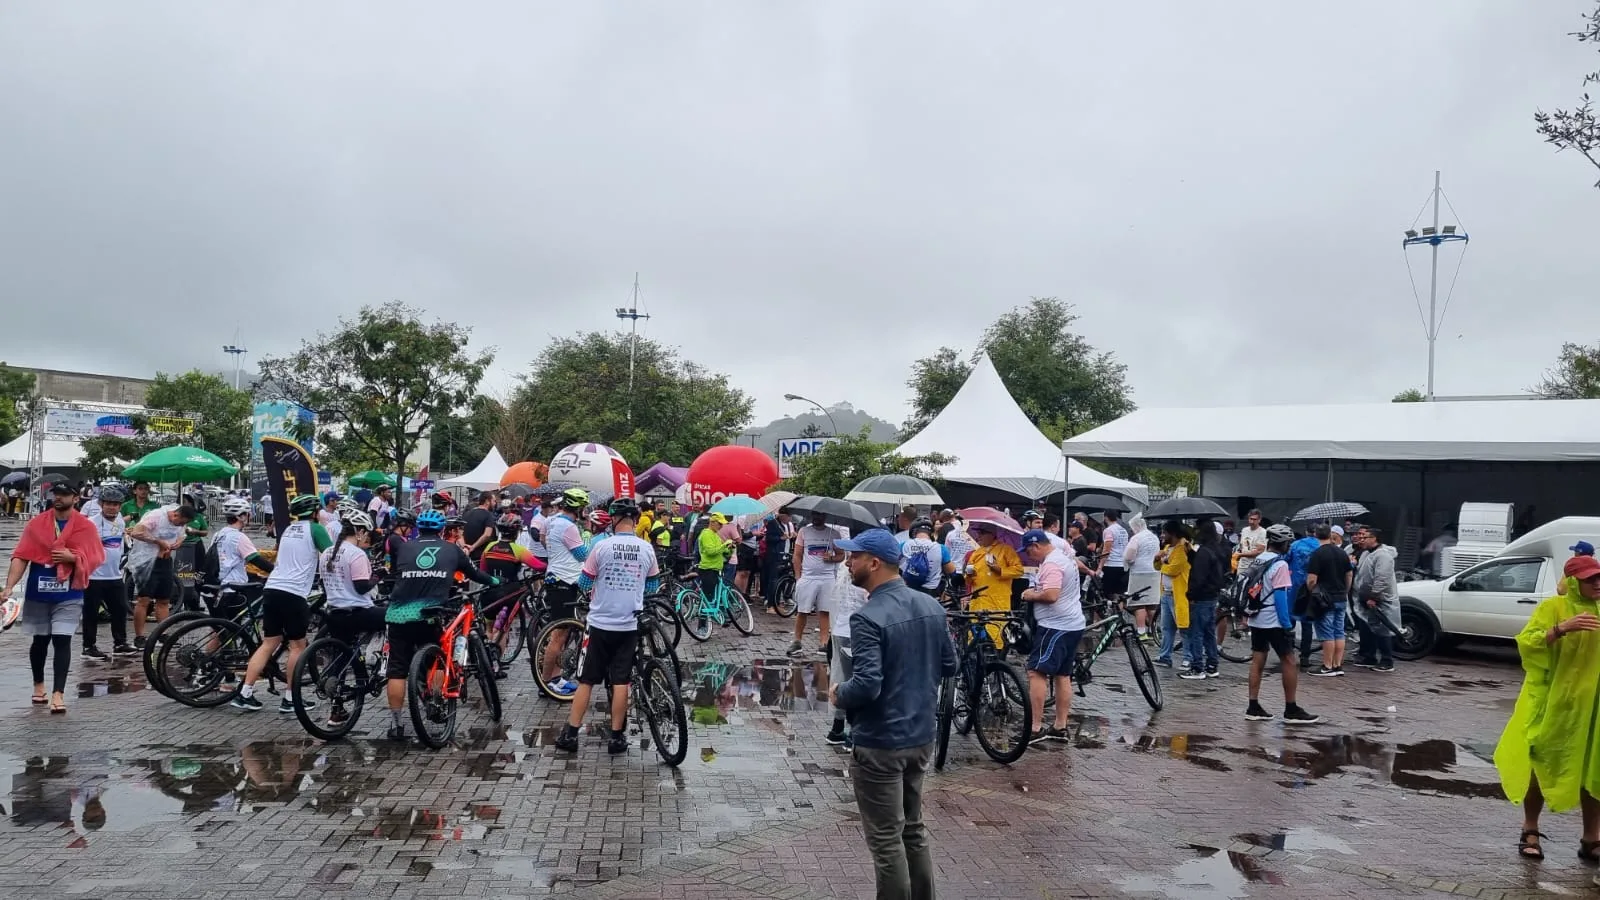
624, 507
112, 494
403, 517
920, 525
304, 505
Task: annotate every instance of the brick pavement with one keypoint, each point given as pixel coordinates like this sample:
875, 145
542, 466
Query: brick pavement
132, 796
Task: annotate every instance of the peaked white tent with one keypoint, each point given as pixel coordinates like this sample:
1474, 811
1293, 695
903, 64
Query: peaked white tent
57, 454
484, 477
996, 446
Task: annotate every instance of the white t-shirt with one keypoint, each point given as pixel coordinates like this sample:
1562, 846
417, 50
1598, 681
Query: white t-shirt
266, 504
537, 523
818, 542
563, 538
350, 565
111, 538
847, 599
296, 566
233, 548
1066, 614
1141, 551
157, 524
1280, 577
619, 566
1252, 539
929, 550
1116, 537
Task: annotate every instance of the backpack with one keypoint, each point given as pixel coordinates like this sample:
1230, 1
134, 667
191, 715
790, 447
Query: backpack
1254, 590
916, 570
211, 566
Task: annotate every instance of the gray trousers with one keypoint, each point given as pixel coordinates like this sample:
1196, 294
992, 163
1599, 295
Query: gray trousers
888, 787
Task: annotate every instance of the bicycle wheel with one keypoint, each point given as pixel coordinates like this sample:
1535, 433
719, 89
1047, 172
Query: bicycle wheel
521, 624
565, 647
1144, 671
738, 612
664, 712
695, 619
1003, 719
786, 604
1233, 642
671, 627
432, 713
962, 713
155, 640
341, 687
947, 711
483, 668
201, 657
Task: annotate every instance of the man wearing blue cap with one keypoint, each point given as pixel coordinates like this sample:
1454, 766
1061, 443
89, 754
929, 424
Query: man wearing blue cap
900, 648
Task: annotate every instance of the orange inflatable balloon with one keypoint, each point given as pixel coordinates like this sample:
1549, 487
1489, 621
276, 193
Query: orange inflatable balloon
531, 474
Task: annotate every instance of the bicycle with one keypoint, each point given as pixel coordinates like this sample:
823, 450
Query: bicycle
983, 686
655, 691
342, 675
727, 606
574, 640
1117, 625
1233, 626
512, 619
161, 634
786, 605
437, 682
210, 652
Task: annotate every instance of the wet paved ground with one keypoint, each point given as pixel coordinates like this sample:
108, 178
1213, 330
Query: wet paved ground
132, 796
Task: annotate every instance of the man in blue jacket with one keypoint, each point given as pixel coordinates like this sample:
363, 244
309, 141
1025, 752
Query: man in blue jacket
900, 647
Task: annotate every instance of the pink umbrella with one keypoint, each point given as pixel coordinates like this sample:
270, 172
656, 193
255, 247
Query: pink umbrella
1005, 528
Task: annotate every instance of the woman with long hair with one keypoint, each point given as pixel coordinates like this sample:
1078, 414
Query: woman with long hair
1173, 562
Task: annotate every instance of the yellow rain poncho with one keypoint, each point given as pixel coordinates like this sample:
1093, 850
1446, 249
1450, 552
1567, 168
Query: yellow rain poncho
1552, 730
1176, 568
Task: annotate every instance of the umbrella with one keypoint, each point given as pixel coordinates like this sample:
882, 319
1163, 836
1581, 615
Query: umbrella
739, 505
14, 478
988, 515
1338, 509
54, 478
553, 488
372, 478
515, 491
1099, 502
838, 512
1185, 508
901, 490
180, 463
776, 500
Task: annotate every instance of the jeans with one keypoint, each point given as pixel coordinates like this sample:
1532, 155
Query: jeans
1377, 643
769, 577
1169, 626
1200, 638
888, 786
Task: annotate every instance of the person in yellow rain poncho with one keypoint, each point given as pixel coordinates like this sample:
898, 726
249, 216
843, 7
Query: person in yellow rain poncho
991, 569
1173, 561
1547, 754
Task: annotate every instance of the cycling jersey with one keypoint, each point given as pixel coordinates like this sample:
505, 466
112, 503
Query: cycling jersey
618, 570
342, 566
424, 572
299, 550
233, 548
505, 559
563, 541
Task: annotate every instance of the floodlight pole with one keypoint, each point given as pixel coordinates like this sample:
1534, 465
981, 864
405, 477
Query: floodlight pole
1433, 237
632, 314
236, 352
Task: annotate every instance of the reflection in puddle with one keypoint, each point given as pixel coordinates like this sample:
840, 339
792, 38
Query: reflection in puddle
1213, 875
718, 690
111, 684
1299, 839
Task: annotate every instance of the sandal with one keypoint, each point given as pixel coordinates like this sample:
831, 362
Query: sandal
58, 708
1586, 851
1530, 849
40, 700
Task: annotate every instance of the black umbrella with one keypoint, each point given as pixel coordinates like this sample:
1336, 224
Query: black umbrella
1097, 502
54, 478
515, 491
553, 488
18, 477
838, 512
1185, 508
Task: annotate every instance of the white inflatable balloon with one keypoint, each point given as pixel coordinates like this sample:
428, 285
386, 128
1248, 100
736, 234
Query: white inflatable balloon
596, 467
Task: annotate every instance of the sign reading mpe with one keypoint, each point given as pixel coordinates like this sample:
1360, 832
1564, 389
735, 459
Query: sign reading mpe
790, 449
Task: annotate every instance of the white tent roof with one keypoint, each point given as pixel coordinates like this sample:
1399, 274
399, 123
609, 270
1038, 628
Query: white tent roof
1480, 430
995, 444
57, 454
484, 477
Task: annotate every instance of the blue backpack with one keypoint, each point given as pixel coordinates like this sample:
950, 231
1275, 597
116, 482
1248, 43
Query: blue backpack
915, 570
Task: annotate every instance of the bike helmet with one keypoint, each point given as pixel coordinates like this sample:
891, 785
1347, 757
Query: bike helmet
600, 519
442, 499
1030, 515
234, 507
359, 520
574, 498
920, 525
112, 494
509, 525
624, 508
1280, 534
403, 518
304, 505
430, 520
455, 521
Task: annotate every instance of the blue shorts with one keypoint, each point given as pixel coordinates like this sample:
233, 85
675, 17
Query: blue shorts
1054, 652
1331, 626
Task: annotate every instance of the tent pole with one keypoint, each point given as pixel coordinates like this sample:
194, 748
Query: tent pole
1328, 488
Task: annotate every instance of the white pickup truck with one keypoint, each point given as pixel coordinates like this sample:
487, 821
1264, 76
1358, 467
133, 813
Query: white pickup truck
1494, 598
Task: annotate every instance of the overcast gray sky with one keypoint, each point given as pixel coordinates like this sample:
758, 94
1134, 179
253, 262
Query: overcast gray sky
814, 194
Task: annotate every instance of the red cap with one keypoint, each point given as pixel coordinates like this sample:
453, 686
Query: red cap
1582, 567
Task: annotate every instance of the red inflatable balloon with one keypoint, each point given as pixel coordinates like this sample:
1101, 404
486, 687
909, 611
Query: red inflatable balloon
723, 471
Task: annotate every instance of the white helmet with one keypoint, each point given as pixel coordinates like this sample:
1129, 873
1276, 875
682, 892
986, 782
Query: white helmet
234, 507
358, 519
348, 507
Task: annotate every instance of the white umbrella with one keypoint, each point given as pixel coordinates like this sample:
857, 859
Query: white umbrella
900, 490
777, 500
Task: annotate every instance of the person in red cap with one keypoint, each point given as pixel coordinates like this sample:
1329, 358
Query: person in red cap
1544, 751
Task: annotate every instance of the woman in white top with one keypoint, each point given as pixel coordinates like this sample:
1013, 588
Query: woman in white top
347, 581
1140, 558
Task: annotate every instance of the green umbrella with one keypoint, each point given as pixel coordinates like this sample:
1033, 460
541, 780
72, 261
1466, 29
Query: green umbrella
372, 478
180, 463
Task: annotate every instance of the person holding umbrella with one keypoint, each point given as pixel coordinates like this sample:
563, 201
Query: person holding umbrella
991, 570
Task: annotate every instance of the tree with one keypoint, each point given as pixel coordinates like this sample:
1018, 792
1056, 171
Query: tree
378, 383
934, 381
577, 391
1409, 395
841, 465
221, 414
14, 386
813, 430
1575, 376
106, 455
1576, 128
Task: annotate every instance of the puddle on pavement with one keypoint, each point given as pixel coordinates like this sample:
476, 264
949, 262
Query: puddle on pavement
1296, 839
406, 823
1186, 747
719, 691
112, 684
1212, 875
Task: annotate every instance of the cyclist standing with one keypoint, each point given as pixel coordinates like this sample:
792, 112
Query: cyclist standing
816, 563
105, 590
285, 615
424, 573
620, 572
564, 543
235, 552
347, 582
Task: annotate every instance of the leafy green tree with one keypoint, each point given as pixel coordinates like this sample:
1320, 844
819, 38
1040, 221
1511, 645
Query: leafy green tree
1575, 376
378, 383
106, 455
221, 414
1409, 395
841, 465
577, 391
813, 430
14, 386
1576, 128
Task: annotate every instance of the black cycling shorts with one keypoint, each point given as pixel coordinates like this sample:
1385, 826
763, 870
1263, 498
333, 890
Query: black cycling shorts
561, 598
284, 615
1114, 581
1278, 640
608, 657
157, 585
350, 623
405, 639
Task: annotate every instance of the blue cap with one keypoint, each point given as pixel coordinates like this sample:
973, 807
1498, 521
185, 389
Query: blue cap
1582, 548
1034, 536
877, 541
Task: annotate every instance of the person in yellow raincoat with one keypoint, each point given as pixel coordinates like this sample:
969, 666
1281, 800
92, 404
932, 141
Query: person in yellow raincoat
1547, 755
1173, 561
992, 568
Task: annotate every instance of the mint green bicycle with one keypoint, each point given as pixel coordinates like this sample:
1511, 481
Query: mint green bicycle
699, 612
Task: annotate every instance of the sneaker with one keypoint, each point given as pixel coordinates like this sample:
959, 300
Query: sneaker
286, 706
1040, 736
337, 716
1213, 673
795, 649
618, 743
1256, 713
837, 736
1164, 661
138, 642
248, 704
93, 653
1363, 664
1193, 675
1294, 715
562, 687
1325, 672
567, 740
124, 650
396, 733
1383, 667
10, 612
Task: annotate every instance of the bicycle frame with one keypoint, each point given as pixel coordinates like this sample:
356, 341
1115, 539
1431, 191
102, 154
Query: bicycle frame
452, 640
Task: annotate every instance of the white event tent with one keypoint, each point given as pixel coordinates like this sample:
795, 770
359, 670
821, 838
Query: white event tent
57, 454
484, 477
996, 446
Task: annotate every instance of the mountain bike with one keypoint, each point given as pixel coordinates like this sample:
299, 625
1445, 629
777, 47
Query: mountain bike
200, 664
656, 694
511, 621
726, 606
1233, 626
1116, 625
231, 602
341, 674
786, 606
437, 682
565, 640
985, 695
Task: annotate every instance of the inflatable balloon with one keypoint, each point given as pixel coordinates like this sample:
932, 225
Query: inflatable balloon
531, 474
596, 467
723, 471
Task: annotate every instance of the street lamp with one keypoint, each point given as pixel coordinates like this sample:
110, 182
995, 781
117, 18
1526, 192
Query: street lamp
1432, 236
236, 352
820, 408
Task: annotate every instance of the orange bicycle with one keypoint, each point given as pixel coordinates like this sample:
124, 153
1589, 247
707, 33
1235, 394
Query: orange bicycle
437, 682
